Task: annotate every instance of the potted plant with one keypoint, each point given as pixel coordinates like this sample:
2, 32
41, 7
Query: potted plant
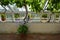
57, 15
16, 15
3, 17
22, 30
44, 15
44, 18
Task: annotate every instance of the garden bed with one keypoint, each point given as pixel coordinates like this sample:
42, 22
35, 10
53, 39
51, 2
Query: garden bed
11, 36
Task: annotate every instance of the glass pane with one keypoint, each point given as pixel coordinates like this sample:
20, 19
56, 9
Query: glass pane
17, 17
35, 16
22, 15
9, 17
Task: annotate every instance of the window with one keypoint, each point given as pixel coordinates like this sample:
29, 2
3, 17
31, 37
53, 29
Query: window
9, 17
17, 17
35, 17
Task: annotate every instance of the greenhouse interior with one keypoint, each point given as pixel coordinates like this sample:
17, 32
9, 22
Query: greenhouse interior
29, 19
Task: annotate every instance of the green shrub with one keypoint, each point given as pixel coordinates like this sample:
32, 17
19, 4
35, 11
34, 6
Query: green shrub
23, 29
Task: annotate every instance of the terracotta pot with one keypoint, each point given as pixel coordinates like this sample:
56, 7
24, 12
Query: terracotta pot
3, 19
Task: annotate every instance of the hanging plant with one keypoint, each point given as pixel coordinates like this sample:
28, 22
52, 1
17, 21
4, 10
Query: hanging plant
3, 17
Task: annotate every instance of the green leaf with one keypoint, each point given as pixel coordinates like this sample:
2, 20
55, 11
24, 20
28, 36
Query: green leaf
22, 29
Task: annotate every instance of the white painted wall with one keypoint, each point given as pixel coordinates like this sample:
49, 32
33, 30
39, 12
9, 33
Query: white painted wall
44, 28
33, 27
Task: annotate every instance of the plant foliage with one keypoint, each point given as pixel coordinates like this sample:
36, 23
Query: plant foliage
54, 5
23, 29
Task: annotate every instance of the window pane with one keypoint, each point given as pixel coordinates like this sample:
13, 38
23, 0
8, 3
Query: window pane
17, 17
9, 17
